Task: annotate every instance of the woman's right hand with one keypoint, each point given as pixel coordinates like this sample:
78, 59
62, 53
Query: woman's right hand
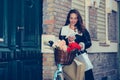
71, 38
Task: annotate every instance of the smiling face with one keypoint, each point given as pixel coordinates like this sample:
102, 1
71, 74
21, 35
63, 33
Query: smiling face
73, 19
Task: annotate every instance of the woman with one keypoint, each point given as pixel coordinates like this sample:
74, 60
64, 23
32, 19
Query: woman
74, 30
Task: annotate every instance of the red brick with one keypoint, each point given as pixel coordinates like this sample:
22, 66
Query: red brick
49, 21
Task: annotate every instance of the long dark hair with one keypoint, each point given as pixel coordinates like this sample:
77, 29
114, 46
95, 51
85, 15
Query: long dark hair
79, 25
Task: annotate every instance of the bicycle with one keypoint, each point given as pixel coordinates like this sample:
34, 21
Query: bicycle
58, 75
62, 58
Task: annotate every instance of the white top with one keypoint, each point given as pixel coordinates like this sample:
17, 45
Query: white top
67, 31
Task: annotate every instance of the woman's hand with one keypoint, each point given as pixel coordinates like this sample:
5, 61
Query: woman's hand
71, 38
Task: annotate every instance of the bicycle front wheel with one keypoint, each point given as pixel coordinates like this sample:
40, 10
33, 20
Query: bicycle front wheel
60, 77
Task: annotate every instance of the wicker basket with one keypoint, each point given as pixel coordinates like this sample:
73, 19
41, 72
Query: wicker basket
62, 57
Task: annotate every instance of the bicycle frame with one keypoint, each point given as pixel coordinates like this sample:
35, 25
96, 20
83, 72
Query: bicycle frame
58, 71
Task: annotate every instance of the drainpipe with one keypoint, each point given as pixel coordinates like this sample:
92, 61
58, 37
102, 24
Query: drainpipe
118, 1
119, 34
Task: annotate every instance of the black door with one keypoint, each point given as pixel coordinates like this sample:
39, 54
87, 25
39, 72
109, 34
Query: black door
20, 27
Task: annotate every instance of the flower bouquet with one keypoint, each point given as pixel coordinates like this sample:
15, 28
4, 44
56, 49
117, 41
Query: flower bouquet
64, 54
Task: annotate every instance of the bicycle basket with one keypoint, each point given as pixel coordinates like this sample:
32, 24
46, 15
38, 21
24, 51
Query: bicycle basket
62, 57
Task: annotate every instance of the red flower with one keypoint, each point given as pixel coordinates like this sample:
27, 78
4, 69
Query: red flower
72, 46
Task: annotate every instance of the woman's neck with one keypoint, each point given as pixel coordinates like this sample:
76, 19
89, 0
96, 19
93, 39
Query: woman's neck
72, 27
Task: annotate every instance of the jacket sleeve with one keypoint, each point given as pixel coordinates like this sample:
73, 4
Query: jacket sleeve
87, 39
61, 37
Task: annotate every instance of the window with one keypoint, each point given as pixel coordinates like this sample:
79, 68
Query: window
112, 26
97, 22
93, 22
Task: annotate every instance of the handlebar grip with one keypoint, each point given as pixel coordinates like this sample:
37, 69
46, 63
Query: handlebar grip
50, 43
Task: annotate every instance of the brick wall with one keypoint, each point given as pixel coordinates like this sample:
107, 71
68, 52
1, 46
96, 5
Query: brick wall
48, 16
105, 66
54, 16
48, 66
61, 10
80, 6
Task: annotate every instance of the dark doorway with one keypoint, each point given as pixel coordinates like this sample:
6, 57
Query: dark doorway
20, 37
